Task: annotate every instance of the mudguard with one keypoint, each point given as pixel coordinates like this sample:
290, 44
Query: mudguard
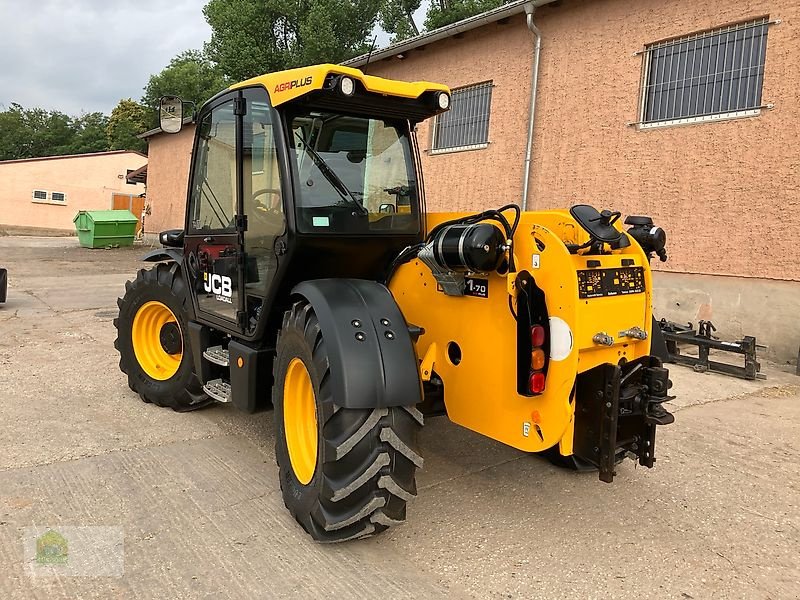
373, 363
163, 254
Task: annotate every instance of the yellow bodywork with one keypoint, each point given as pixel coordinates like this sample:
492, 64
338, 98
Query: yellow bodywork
480, 392
284, 86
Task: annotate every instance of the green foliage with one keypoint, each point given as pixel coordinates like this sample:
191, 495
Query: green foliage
90, 133
127, 120
251, 37
190, 75
397, 18
30, 133
444, 12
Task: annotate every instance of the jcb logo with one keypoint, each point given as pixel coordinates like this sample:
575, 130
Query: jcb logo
219, 285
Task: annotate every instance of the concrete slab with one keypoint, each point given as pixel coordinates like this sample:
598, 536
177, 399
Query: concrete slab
198, 500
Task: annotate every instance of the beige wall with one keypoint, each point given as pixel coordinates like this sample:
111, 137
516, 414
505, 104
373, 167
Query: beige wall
88, 182
167, 179
727, 193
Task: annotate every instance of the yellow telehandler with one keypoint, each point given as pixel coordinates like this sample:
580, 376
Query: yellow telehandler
309, 278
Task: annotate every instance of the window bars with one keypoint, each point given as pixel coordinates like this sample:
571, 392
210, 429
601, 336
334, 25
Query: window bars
466, 125
705, 76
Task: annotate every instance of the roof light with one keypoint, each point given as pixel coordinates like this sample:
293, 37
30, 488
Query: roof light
347, 86
444, 100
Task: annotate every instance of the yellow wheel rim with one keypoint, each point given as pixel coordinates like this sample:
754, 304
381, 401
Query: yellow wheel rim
148, 347
300, 420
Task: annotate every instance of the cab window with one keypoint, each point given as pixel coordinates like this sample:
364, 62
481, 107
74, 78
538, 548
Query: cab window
214, 181
356, 175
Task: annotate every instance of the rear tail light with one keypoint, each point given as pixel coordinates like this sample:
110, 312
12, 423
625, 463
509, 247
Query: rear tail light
533, 336
536, 382
537, 359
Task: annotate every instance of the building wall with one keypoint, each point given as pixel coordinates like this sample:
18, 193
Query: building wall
490, 177
87, 181
167, 179
725, 191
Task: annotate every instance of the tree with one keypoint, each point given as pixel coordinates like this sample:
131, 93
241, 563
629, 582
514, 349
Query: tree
89, 133
444, 12
397, 18
190, 75
251, 37
29, 133
127, 120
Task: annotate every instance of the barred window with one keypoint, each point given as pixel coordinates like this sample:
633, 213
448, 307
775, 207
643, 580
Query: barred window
58, 197
39, 195
705, 76
466, 125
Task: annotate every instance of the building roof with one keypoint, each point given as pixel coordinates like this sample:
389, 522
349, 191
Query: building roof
87, 155
492, 16
137, 176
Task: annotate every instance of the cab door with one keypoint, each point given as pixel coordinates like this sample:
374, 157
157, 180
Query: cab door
236, 211
215, 228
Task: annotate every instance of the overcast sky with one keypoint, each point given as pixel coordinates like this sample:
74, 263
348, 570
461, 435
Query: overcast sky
85, 55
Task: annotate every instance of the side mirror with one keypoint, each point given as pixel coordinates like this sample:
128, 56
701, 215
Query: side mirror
170, 114
387, 208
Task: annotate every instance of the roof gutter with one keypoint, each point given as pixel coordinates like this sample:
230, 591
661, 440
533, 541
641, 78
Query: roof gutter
491, 16
530, 9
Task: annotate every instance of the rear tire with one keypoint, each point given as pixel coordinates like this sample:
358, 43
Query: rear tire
156, 293
365, 459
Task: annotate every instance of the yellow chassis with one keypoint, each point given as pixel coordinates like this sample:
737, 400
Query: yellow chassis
480, 392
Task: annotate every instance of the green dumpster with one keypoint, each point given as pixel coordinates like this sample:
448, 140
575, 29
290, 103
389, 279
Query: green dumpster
101, 228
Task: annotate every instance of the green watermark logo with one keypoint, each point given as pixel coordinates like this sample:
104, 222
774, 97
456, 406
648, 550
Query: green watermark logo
52, 549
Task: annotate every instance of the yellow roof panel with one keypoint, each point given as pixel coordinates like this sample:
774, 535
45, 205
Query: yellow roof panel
284, 86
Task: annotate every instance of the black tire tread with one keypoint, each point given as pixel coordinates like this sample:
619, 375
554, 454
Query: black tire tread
163, 275
369, 455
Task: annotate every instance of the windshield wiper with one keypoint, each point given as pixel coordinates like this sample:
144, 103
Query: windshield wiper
333, 178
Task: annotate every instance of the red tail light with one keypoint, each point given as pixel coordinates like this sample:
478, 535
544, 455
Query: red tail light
537, 336
536, 383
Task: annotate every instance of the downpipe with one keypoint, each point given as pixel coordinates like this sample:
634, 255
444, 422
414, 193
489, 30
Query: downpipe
537, 50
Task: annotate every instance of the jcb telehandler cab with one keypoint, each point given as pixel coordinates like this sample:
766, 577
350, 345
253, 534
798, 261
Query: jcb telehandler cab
309, 278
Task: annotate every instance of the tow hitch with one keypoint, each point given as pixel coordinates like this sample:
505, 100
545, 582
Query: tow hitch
617, 411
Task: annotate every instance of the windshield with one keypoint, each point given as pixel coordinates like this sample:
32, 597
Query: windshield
356, 174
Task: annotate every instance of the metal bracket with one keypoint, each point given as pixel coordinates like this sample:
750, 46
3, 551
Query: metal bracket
703, 338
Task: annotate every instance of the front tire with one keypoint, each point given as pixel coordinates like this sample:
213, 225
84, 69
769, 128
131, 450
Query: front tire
344, 473
152, 340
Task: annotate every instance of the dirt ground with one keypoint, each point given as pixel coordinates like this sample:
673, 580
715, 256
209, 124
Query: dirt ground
196, 495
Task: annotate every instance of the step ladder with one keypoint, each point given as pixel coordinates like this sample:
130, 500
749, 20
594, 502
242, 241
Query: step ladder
218, 389
217, 355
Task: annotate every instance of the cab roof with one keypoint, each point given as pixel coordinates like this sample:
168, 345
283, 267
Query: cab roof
284, 86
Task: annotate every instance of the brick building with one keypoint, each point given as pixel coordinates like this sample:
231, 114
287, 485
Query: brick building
684, 111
